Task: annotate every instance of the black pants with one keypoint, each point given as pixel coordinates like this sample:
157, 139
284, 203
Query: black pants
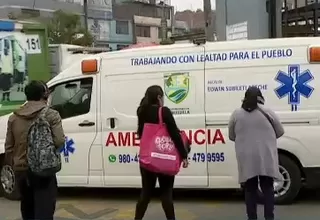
38, 196
251, 197
6, 96
149, 180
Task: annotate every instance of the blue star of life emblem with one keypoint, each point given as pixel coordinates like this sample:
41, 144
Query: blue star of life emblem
294, 84
67, 149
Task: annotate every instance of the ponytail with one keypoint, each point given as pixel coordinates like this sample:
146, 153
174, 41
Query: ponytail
142, 107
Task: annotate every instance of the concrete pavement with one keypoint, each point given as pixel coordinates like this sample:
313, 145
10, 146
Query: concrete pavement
107, 204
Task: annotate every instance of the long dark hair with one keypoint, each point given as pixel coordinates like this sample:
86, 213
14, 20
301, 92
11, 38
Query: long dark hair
252, 98
151, 97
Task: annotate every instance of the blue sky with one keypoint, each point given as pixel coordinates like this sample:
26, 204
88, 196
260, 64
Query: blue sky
189, 4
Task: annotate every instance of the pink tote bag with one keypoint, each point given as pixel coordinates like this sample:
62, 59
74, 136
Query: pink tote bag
157, 151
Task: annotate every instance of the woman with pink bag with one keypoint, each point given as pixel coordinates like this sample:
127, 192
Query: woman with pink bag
151, 112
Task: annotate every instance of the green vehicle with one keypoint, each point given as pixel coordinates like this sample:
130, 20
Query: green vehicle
24, 56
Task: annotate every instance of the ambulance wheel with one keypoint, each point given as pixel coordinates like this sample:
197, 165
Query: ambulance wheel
287, 190
9, 187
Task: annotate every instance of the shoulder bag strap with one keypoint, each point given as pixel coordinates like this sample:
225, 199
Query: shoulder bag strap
267, 117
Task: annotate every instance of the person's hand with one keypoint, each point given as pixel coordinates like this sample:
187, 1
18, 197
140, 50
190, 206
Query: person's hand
185, 163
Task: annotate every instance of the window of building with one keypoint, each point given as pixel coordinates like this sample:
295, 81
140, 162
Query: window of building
143, 31
72, 98
121, 46
122, 27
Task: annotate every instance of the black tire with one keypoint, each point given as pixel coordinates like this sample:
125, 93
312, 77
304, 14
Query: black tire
14, 194
295, 177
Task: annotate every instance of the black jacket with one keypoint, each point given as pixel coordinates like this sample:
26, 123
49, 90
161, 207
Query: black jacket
150, 115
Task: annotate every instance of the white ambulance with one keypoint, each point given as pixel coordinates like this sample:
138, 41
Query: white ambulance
97, 98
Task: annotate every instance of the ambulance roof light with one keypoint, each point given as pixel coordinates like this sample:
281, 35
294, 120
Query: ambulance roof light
89, 66
314, 54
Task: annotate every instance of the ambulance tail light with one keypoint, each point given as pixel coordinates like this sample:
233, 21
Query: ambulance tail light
314, 54
89, 66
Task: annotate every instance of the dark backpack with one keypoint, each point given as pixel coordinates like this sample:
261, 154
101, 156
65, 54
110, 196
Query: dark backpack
43, 157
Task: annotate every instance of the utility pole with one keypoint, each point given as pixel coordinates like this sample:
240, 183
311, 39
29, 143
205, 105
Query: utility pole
172, 18
85, 10
272, 15
275, 17
208, 20
163, 21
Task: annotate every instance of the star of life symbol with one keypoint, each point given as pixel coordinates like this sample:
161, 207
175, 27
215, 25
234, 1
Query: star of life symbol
294, 84
67, 149
164, 144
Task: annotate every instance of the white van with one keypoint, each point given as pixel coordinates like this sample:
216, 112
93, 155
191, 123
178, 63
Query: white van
98, 97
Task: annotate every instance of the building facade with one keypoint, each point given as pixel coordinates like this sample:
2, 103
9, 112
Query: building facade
291, 4
35, 8
113, 23
147, 16
107, 31
149, 29
233, 22
301, 18
100, 17
121, 34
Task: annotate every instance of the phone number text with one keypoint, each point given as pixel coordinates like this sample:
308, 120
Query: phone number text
195, 157
208, 157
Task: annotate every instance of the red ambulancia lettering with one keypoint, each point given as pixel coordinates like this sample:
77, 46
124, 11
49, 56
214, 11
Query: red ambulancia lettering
218, 136
111, 140
198, 137
123, 139
201, 136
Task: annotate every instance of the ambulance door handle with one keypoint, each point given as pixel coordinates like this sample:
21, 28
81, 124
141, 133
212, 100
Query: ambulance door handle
86, 123
112, 123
